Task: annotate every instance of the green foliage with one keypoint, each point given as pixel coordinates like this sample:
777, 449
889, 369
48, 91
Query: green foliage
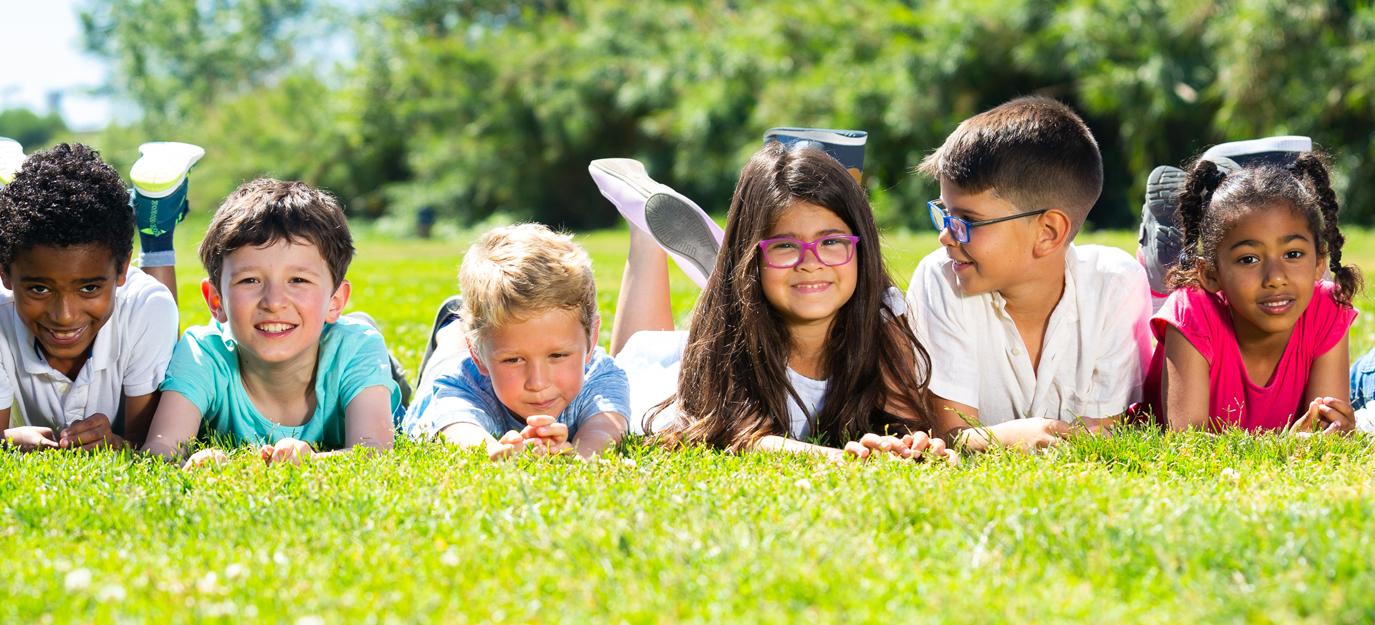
30, 129
485, 106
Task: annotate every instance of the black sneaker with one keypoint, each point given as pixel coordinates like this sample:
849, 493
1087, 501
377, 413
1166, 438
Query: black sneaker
448, 313
1160, 238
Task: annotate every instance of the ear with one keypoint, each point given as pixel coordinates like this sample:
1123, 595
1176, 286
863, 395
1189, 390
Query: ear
121, 272
1053, 229
1320, 271
1207, 276
213, 300
337, 301
5, 277
477, 357
592, 338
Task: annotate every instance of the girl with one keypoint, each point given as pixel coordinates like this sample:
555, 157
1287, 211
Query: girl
799, 333
1252, 335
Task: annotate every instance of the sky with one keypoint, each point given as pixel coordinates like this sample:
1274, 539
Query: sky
49, 30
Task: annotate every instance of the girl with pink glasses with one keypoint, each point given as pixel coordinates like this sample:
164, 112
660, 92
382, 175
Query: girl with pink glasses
798, 342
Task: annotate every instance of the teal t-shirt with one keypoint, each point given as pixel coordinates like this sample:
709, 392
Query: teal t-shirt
205, 370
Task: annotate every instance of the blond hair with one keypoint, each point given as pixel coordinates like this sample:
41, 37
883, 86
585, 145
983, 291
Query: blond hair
515, 272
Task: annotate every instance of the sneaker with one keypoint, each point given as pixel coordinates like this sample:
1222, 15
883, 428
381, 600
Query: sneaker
11, 159
398, 373
686, 233
1160, 239
160, 185
448, 312
846, 146
628, 186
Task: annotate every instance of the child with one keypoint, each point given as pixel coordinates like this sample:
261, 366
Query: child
1032, 332
795, 336
516, 364
1363, 390
277, 366
1252, 335
86, 337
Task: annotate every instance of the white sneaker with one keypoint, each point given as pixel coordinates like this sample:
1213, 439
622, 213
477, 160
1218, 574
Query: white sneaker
11, 159
162, 167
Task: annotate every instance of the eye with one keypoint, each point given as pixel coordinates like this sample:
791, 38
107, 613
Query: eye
300, 280
510, 360
558, 355
38, 289
90, 289
833, 241
1249, 259
247, 281
1294, 254
783, 245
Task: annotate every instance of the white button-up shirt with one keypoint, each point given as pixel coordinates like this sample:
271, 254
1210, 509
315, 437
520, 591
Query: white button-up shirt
1093, 356
128, 358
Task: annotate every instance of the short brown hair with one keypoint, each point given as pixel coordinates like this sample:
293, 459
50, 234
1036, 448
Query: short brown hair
515, 271
1034, 152
265, 211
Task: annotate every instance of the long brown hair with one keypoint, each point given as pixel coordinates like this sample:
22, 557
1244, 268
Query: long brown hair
733, 388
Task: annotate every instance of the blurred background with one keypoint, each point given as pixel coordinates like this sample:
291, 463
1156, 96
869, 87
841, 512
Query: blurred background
485, 111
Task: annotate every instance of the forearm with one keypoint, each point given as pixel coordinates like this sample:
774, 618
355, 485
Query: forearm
593, 438
467, 435
794, 446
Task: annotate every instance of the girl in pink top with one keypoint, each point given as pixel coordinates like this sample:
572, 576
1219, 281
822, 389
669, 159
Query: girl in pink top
1252, 336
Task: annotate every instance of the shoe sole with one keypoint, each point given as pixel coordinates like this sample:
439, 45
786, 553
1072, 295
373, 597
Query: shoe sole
678, 228
162, 166
11, 159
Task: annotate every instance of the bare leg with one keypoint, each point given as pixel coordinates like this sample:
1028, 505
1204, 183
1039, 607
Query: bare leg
643, 303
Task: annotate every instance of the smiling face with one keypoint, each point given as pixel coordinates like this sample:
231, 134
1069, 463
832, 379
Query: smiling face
997, 255
537, 364
276, 300
1266, 264
811, 292
64, 295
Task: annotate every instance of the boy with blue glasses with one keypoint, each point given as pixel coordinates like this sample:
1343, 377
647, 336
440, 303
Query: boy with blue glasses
1029, 333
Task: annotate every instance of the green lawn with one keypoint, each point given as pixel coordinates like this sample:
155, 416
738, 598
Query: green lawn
1141, 527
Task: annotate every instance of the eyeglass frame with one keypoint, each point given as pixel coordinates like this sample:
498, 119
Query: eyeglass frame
808, 245
937, 206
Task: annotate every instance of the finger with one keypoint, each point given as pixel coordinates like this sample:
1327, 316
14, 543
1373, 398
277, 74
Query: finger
98, 443
511, 437
555, 430
857, 449
1334, 428
936, 448
265, 452
1337, 417
952, 457
1058, 428
921, 441
501, 451
538, 420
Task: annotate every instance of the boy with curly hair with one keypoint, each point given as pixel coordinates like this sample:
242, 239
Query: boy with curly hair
84, 337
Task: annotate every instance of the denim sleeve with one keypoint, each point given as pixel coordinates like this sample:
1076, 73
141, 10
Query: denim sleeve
604, 390
1363, 380
451, 401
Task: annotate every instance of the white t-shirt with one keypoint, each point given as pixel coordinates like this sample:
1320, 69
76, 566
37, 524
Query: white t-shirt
129, 358
651, 361
1093, 357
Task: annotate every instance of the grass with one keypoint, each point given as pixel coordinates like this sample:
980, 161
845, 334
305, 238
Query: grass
1140, 527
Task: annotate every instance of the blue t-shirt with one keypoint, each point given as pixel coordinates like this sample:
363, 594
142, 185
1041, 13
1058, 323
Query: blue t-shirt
205, 370
464, 395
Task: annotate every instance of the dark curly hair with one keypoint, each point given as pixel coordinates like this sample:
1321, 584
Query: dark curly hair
1212, 200
62, 197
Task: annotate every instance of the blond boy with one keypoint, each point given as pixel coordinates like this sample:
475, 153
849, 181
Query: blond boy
516, 364
1029, 334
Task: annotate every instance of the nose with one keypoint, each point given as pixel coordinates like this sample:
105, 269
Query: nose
63, 311
947, 238
811, 259
273, 296
1274, 274
536, 376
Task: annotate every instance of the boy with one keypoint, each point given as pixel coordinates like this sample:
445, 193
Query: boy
277, 366
516, 364
86, 337
1027, 332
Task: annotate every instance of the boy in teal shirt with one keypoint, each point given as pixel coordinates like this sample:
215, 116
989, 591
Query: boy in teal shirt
277, 366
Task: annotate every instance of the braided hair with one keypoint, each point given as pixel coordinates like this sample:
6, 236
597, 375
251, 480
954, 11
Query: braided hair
1212, 200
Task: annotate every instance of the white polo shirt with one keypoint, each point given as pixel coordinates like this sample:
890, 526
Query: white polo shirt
1093, 358
129, 358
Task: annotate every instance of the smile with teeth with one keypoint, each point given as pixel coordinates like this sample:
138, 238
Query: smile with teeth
274, 327
1278, 305
812, 287
65, 336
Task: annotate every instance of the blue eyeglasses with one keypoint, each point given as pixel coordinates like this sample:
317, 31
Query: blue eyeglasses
959, 228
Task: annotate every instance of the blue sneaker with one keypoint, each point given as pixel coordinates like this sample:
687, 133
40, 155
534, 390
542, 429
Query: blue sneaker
11, 159
160, 185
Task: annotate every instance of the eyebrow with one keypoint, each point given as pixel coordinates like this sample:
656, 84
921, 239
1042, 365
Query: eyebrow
1254, 243
819, 234
45, 280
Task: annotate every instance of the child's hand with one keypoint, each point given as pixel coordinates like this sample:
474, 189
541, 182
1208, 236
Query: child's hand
286, 450
31, 437
203, 457
544, 431
89, 433
1034, 433
1325, 415
510, 444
